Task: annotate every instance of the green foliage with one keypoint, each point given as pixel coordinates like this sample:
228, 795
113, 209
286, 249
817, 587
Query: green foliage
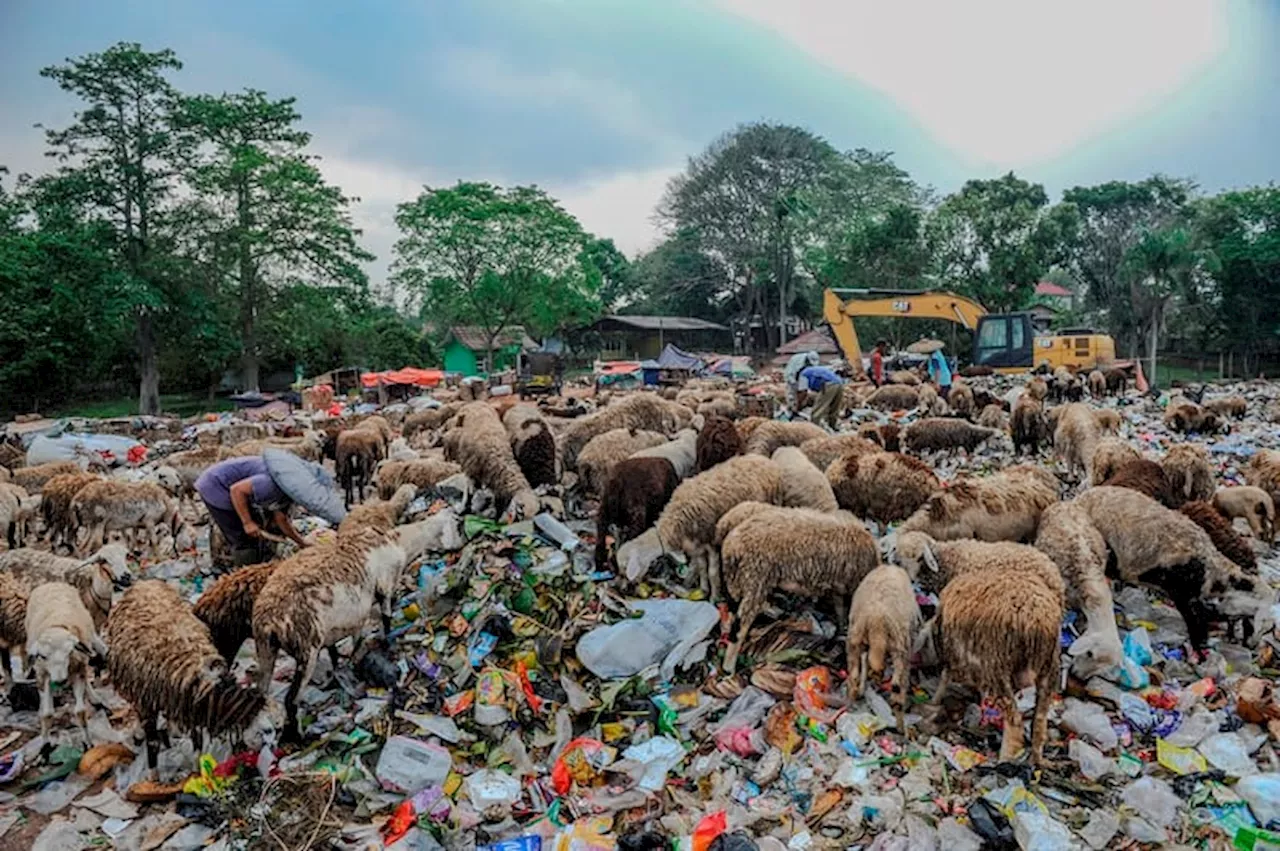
614, 270
493, 257
677, 279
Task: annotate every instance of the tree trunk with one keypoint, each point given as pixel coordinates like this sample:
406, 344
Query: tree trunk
248, 296
148, 366
1151, 348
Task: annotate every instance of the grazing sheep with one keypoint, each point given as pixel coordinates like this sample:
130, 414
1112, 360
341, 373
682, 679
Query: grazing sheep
721, 405
382, 515
238, 432
356, 455
16, 511
1145, 477
886, 435
767, 437
682, 452
1186, 468
641, 411
1027, 425
1075, 438
748, 425
1263, 472
128, 507
688, 522
1219, 530
60, 641
992, 416
634, 495
1164, 549
163, 662
226, 607
1002, 507
883, 619
191, 463
32, 479
429, 420
603, 451
903, 376
533, 444
960, 400
1108, 420
1110, 456
803, 484
1253, 504
1068, 537
882, 486
810, 553
945, 434
1117, 381
1038, 389
423, 473
1097, 384
309, 447
998, 625
1186, 416
894, 397
322, 594
718, 441
478, 442
1229, 406
823, 450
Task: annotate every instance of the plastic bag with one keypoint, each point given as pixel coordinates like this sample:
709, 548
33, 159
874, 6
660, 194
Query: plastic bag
587, 834
667, 631
991, 824
1088, 719
1194, 727
1137, 646
1227, 751
488, 788
1262, 793
1093, 762
657, 756
1153, 799
409, 766
708, 829
1041, 832
581, 762
953, 836
812, 685
1102, 825
739, 840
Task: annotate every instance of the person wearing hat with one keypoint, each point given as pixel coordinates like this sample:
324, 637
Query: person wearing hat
791, 375
241, 496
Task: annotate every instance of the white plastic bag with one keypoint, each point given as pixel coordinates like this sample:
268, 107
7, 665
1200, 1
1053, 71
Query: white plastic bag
1262, 793
667, 632
1089, 720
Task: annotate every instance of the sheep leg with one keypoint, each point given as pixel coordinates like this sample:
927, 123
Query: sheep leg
853, 661
301, 676
333, 657
1011, 741
900, 685
6, 663
12, 536
712, 576
748, 609
149, 737
266, 664
842, 612
46, 711
602, 546
943, 681
1046, 682
82, 712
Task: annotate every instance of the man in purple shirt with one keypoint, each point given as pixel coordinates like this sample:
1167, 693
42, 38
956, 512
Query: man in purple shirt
238, 493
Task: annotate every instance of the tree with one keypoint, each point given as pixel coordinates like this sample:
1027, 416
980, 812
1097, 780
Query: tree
676, 278
119, 154
994, 239
615, 272
1112, 218
273, 218
1159, 268
743, 198
482, 255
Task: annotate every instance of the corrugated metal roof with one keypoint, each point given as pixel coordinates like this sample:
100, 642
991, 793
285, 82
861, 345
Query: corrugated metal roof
475, 338
665, 323
818, 340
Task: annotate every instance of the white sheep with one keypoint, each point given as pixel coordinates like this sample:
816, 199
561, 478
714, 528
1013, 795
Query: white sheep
883, 619
61, 639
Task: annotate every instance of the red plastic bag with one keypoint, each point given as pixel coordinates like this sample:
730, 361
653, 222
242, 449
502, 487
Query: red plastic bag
708, 829
812, 687
581, 762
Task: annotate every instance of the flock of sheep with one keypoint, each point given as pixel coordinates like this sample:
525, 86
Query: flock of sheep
704, 475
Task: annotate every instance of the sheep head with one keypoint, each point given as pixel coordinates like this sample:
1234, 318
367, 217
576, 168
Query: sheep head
168, 478
636, 555
52, 651
916, 550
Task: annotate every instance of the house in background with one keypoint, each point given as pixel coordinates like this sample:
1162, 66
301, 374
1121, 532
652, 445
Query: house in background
818, 340
1050, 301
644, 337
464, 349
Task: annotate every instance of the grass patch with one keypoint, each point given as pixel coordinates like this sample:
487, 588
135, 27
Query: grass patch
182, 404
1166, 375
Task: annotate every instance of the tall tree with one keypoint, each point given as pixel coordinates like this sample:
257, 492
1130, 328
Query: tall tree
677, 278
1160, 267
743, 197
994, 239
273, 217
493, 257
614, 269
1113, 219
119, 152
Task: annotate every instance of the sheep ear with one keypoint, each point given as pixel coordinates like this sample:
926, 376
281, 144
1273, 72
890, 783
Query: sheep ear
931, 560
83, 649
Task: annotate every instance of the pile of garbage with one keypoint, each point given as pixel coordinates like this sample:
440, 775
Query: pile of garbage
526, 700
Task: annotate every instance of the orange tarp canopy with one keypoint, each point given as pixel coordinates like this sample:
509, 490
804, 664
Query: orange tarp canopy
617, 367
409, 375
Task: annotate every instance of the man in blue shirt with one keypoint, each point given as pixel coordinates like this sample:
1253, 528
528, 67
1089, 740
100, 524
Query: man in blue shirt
830, 389
940, 372
241, 496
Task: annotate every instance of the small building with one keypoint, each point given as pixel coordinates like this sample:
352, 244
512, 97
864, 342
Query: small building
465, 349
1056, 296
818, 340
644, 337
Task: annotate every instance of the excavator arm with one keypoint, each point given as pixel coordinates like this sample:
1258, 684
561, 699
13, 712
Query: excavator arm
839, 314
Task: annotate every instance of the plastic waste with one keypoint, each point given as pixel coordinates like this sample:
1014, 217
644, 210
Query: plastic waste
953, 836
1093, 762
1179, 760
990, 824
1194, 727
1035, 831
1102, 825
1137, 646
580, 763
1262, 793
877, 812
491, 708
70, 446
407, 765
488, 788
1089, 720
708, 829
1227, 751
1153, 799
557, 532
666, 632
657, 756
1144, 831
739, 840
645, 841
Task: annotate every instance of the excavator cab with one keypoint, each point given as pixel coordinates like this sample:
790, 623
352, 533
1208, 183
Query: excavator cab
1004, 341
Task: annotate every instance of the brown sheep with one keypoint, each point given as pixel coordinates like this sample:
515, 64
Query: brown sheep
894, 397
641, 411
1186, 416
803, 484
1109, 457
992, 416
886, 435
997, 625
1075, 438
960, 399
903, 376
1027, 425
1108, 420
129, 507
945, 434
226, 607
823, 450
603, 451
1263, 471
382, 515
1253, 504
429, 420
59, 491
1219, 530
1186, 468
718, 441
634, 495
882, 486
1145, 477
768, 437
1097, 384
1067, 536
1037, 389
32, 479
1002, 507
423, 473
357, 454
163, 662
747, 426
883, 619
1117, 381
811, 553
1229, 406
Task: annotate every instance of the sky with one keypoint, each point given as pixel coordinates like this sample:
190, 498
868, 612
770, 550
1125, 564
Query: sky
601, 102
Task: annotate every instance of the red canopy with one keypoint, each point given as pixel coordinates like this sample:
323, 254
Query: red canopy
409, 375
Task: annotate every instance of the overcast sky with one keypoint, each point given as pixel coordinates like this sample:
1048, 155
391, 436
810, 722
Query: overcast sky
601, 101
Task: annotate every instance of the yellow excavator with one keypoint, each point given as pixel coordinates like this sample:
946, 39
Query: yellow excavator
1005, 342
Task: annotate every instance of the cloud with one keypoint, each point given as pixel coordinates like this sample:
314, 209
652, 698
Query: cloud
1008, 83
619, 206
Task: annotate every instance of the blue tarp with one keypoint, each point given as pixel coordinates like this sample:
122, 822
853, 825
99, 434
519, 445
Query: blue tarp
674, 358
